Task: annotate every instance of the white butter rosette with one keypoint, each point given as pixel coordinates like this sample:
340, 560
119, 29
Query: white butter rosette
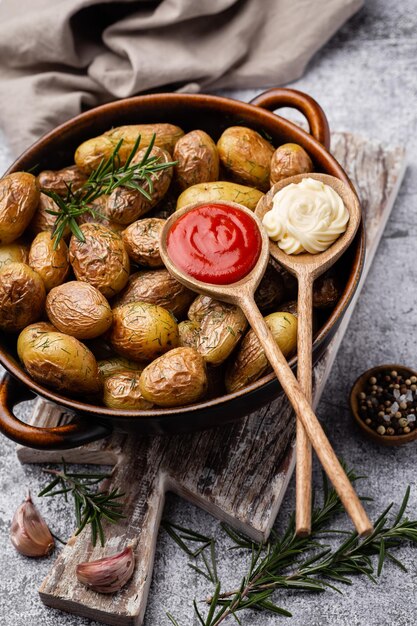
306, 217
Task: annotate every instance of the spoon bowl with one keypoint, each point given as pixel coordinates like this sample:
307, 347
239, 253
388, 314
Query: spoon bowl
306, 268
241, 293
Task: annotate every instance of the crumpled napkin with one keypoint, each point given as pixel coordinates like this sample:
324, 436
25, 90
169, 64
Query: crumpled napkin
59, 57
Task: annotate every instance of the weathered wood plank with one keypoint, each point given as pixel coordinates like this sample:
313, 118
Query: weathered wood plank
238, 473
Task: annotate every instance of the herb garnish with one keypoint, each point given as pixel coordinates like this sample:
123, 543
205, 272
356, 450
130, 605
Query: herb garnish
109, 175
296, 563
91, 506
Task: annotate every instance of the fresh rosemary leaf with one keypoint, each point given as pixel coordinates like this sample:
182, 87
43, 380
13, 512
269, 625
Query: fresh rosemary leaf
91, 506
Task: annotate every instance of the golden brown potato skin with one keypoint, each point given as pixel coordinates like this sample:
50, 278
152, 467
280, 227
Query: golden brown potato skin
126, 205
101, 260
157, 287
121, 391
142, 331
22, 296
90, 153
58, 361
16, 252
42, 220
246, 156
36, 330
197, 159
79, 309
189, 332
174, 379
141, 241
199, 308
288, 160
218, 191
99, 215
19, 197
220, 331
51, 265
250, 362
59, 180
116, 364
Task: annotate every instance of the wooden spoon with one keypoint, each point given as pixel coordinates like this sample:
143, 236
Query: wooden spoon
241, 294
307, 267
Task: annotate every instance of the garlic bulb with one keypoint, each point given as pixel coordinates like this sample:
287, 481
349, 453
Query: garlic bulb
29, 533
107, 575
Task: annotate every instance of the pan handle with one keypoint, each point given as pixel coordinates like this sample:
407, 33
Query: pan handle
71, 435
277, 98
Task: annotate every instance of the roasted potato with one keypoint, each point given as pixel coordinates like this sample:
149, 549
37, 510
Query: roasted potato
271, 290
157, 287
125, 205
220, 331
326, 291
99, 215
288, 160
246, 156
197, 159
200, 307
101, 259
36, 330
60, 180
116, 364
58, 361
19, 197
250, 362
218, 191
51, 264
89, 154
174, 379
22, 296
121, 391
141, 241
188, 334
79, 309
16, 252
142, 331
289, 307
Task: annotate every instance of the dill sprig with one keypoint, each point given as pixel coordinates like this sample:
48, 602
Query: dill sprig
91, 506
107, 177
289, 562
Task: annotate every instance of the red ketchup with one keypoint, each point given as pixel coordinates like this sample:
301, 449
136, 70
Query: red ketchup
215, 244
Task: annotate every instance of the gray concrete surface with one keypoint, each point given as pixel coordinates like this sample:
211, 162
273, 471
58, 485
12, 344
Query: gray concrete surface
366, 80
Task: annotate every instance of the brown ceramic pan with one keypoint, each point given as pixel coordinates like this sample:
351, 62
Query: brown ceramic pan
212, 114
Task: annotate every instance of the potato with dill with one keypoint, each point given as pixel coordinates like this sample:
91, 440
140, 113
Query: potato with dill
197, 159
121, 391
288, 160
101, 259
142, 331
19, 197
218, 191
89, 154
250, 362
22, 296
50, 261
157, 287
116, 364
141, 241
16, 252
221, 329
58, 361
127, 204
189, 333
177, 378
246, 156
79, 309
43, 220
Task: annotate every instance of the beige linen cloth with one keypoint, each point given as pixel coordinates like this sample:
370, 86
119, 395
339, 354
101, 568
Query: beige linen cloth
59, 57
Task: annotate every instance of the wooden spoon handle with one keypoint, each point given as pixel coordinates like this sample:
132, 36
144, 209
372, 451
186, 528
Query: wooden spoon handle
305, 413
304, 376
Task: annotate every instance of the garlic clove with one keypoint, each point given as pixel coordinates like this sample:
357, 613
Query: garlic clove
107, 575
29, 533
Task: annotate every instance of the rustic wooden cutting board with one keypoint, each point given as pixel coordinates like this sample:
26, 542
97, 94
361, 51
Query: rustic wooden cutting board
239, 473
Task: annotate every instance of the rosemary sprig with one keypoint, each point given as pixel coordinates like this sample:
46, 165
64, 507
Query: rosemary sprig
91, 506
303, 563
109, 175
